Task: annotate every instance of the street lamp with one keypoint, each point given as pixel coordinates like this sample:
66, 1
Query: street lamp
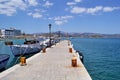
59, 35
50, 34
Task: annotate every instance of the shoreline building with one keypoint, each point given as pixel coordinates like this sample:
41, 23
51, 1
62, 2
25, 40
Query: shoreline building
9, 33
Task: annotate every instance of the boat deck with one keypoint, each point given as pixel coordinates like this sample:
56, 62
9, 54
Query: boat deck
55, 64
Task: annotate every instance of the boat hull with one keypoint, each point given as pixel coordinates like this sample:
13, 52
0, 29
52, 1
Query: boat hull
3, 60
18, 50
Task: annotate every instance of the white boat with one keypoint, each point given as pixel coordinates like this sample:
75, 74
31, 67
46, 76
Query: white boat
24, 49
29, 47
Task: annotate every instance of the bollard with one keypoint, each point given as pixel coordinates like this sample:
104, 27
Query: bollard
70, 50
68, 43
44, 50
74, 61
22, 61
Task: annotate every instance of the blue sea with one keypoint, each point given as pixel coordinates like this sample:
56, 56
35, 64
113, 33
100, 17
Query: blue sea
101, 57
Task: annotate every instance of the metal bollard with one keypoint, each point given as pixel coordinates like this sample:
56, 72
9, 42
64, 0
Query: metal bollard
23, 61
44, 50
70, 50
74, 61
68, 43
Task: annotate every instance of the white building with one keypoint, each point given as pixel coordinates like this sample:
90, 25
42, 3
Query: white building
9, 33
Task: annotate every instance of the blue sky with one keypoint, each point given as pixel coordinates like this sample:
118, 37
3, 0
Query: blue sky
31, 16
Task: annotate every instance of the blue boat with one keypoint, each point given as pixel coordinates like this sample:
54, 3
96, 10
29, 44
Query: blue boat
3, 60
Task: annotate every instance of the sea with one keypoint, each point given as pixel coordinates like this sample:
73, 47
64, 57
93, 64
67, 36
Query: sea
101, 56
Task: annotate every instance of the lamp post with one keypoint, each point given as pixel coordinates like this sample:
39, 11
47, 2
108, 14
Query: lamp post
59, 35
50, 34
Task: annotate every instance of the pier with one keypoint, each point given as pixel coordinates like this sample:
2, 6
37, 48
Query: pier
54, 64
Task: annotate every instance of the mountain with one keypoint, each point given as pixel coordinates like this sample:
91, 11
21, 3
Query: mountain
81, 35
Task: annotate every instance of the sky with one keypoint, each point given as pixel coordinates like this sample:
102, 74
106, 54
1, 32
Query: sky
34, 16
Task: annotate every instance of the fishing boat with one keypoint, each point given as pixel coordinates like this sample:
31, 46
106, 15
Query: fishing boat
3, 60
33, 43
29, 47
53, 42
24, 49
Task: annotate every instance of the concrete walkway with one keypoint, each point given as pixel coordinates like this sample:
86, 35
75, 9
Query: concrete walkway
55, 64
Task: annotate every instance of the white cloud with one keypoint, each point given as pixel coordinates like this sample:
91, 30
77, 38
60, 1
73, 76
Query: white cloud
48, 4
35, 15
8, 11
17, 4
97, 9
94, 10
9, 7
50, 18
78, 0
71, 3
32, 2
109, 9
39, 10
63, 17
66, 17
59, 20
3, 0
66, 9
78, 10
30, 14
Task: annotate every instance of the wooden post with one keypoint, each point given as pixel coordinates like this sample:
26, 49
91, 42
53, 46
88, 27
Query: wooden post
74, 61
22, 61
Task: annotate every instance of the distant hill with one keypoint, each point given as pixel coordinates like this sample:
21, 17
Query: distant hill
81, 35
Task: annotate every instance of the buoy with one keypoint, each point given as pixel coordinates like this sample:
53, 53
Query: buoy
74, 61
23, 61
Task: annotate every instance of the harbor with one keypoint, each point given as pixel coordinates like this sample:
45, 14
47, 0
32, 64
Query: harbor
55, 63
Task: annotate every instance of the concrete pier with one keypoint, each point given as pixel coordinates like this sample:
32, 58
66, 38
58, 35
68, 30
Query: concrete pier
55, 64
